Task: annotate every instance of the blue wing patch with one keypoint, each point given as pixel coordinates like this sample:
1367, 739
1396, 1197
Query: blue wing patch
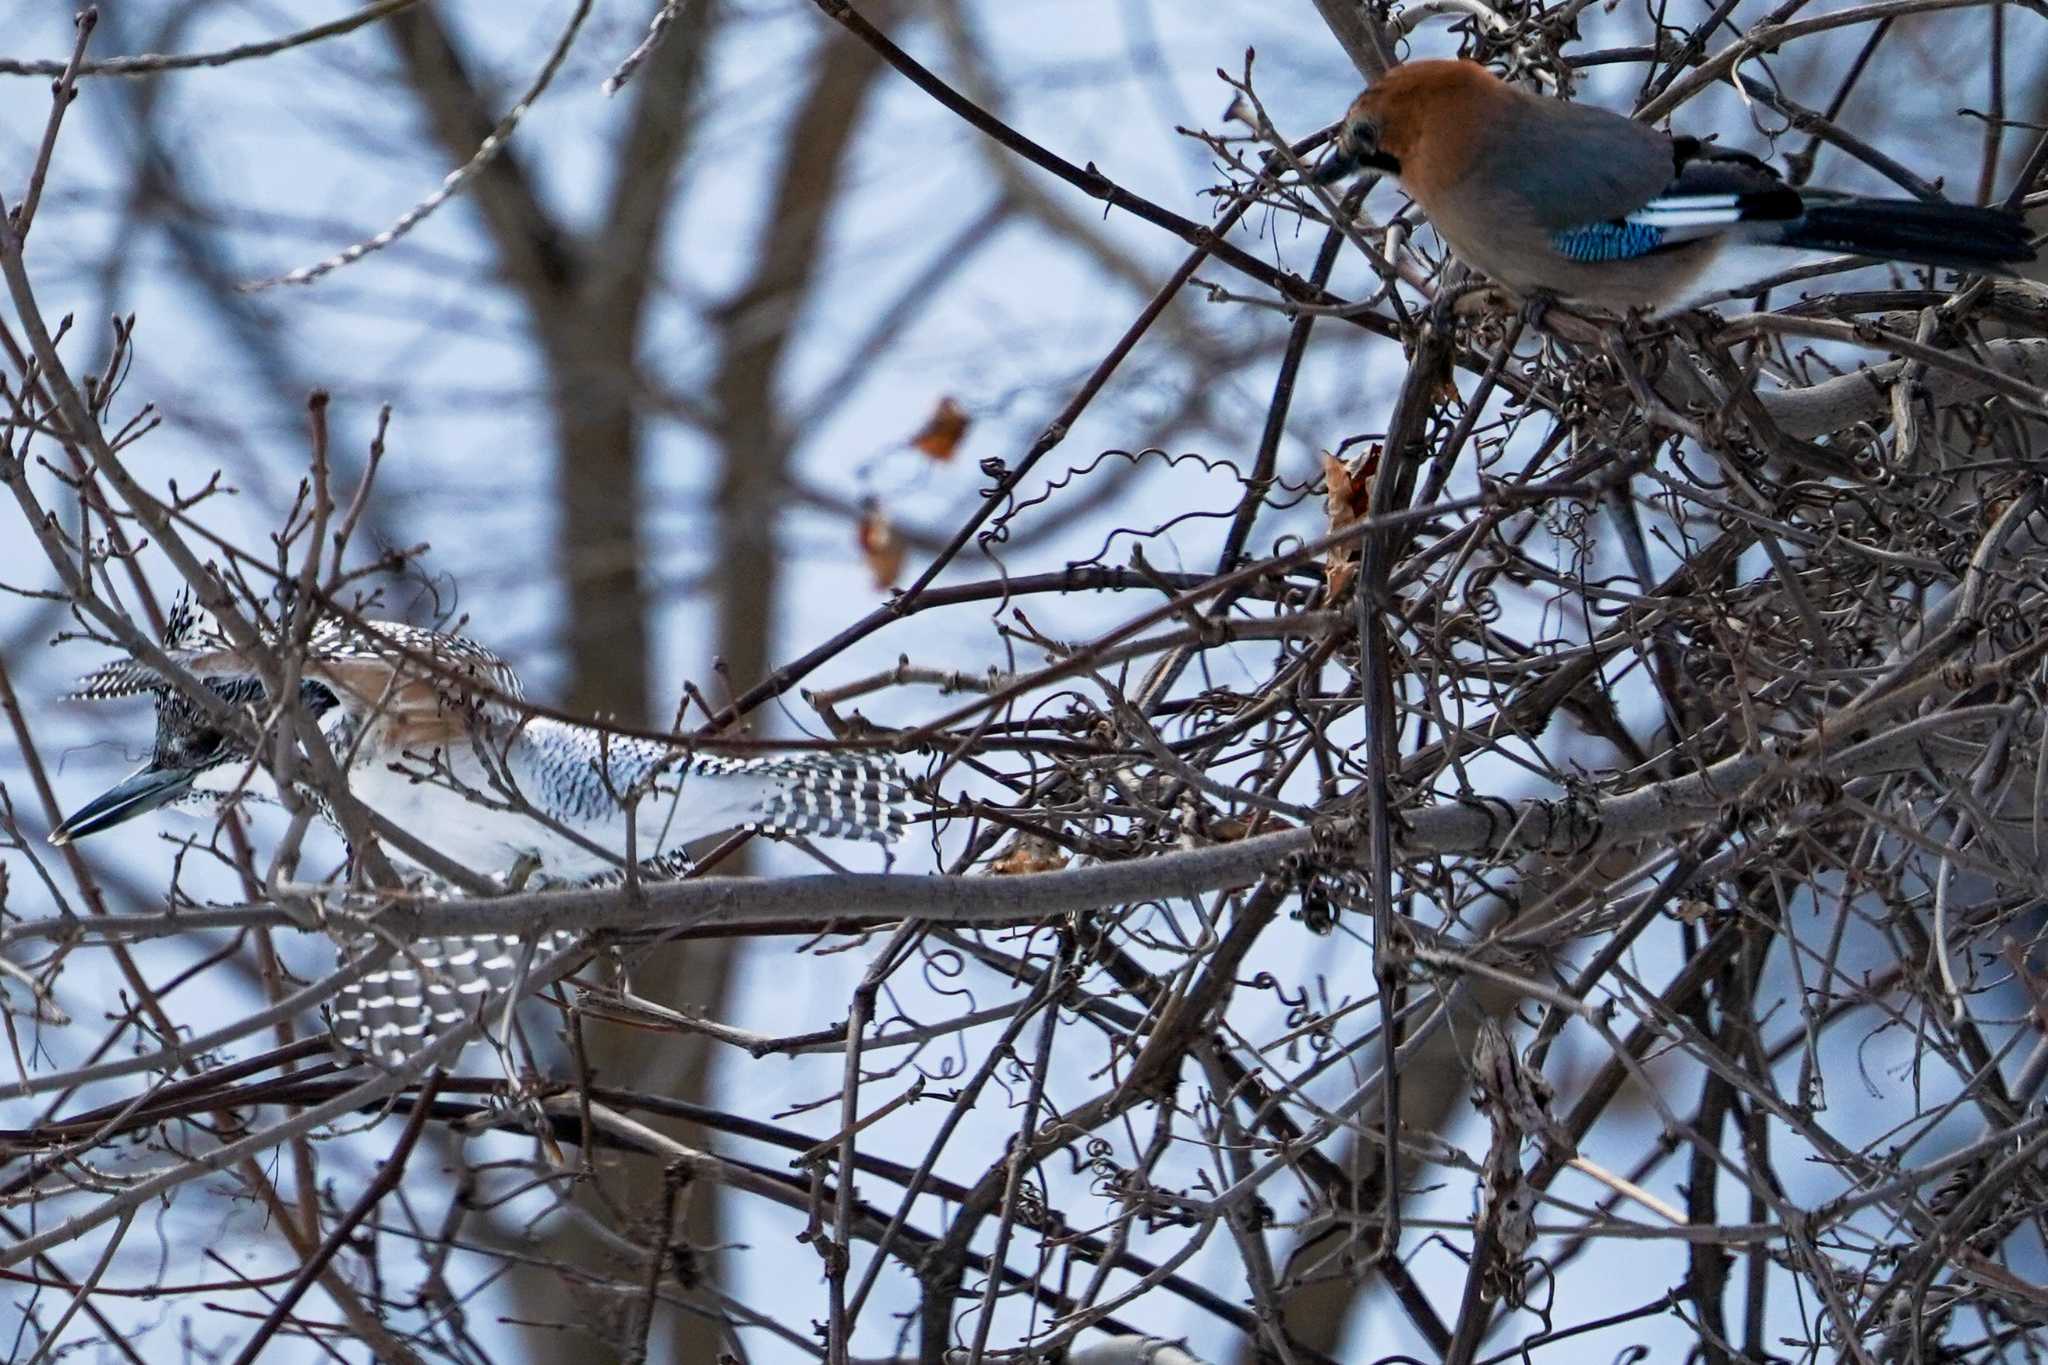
1620, 240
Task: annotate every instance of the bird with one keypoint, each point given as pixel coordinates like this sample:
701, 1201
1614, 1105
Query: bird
434, 736
1557, 199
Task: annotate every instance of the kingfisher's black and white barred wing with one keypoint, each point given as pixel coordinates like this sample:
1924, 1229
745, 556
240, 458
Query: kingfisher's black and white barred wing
581, 774
840, 796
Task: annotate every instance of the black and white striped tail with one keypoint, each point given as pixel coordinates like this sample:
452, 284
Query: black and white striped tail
434, 985
391, 1015
857, 796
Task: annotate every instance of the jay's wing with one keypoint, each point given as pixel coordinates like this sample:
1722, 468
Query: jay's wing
1560, 165
1715, 189
1712, 192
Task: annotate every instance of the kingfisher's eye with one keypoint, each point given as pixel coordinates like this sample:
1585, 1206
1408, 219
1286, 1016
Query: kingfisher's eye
205, 744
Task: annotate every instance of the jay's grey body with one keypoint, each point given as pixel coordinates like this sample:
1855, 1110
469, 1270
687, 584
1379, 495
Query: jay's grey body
1567, 199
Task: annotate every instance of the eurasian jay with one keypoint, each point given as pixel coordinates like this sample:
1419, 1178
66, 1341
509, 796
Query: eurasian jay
1564, 199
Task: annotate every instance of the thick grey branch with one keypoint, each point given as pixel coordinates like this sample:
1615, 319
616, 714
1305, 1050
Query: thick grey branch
1843, 402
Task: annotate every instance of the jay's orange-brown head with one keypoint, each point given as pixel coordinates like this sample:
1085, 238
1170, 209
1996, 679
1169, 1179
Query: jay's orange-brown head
1419, 123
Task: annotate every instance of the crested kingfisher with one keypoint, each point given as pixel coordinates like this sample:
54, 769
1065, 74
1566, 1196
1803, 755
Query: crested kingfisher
433, 735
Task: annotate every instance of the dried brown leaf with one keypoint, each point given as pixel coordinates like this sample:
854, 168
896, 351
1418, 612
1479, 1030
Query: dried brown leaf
1232, 828
942, 433
1347, 494
1029, 854
881, 546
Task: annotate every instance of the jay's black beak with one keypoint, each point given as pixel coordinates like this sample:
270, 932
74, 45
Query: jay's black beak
137, 794
1336, 166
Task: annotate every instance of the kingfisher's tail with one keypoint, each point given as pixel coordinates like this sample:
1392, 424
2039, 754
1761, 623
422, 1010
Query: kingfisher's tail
1946, 236
393, 1013
396, 1012
841, 796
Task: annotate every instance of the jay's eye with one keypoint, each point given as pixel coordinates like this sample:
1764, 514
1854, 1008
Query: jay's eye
1355, 148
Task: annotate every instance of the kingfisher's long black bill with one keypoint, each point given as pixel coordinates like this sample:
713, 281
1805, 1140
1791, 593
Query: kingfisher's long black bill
138, 794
